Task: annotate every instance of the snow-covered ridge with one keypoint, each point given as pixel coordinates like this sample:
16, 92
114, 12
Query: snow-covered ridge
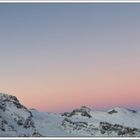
17, 120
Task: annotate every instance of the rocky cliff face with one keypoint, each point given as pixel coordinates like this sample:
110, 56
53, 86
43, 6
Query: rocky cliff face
15, 119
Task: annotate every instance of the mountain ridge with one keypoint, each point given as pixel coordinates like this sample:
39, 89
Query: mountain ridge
18, 121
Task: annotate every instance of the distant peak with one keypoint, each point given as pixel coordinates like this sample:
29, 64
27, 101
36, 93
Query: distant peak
115, 110
83, 111
120, 109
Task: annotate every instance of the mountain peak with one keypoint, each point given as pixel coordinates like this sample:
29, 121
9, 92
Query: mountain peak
115, 110
7, 101
120, 109
82, 111
18, 119
5, 97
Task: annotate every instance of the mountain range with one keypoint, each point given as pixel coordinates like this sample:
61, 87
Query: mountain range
16, 120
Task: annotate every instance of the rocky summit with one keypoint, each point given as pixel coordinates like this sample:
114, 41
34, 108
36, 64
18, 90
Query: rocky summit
15, 119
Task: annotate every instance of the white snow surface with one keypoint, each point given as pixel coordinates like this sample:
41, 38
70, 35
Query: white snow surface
79, 122
49, 124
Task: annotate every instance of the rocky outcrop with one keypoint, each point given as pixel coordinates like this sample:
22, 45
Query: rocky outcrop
108, 129
112, 111
103, 129
119, 110
83, 111
75, 125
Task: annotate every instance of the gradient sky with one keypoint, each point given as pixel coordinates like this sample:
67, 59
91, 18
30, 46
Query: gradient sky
56, 57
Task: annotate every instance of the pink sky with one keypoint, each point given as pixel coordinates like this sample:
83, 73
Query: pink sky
56, 57
66, 93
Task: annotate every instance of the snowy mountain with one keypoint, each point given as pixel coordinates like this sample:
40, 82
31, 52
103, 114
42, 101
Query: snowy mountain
17, 120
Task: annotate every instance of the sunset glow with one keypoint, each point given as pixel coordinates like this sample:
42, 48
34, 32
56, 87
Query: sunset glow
56, 57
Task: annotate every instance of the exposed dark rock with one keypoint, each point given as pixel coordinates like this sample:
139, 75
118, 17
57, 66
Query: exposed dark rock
2, 124
112, 111
5, 122
75, 125
105, 126
83, 111
20, 122
133, 111
36, 134
2, 107
29, 123
67, 114
119, 129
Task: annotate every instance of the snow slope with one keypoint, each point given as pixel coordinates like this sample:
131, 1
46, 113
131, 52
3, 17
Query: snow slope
17, 120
